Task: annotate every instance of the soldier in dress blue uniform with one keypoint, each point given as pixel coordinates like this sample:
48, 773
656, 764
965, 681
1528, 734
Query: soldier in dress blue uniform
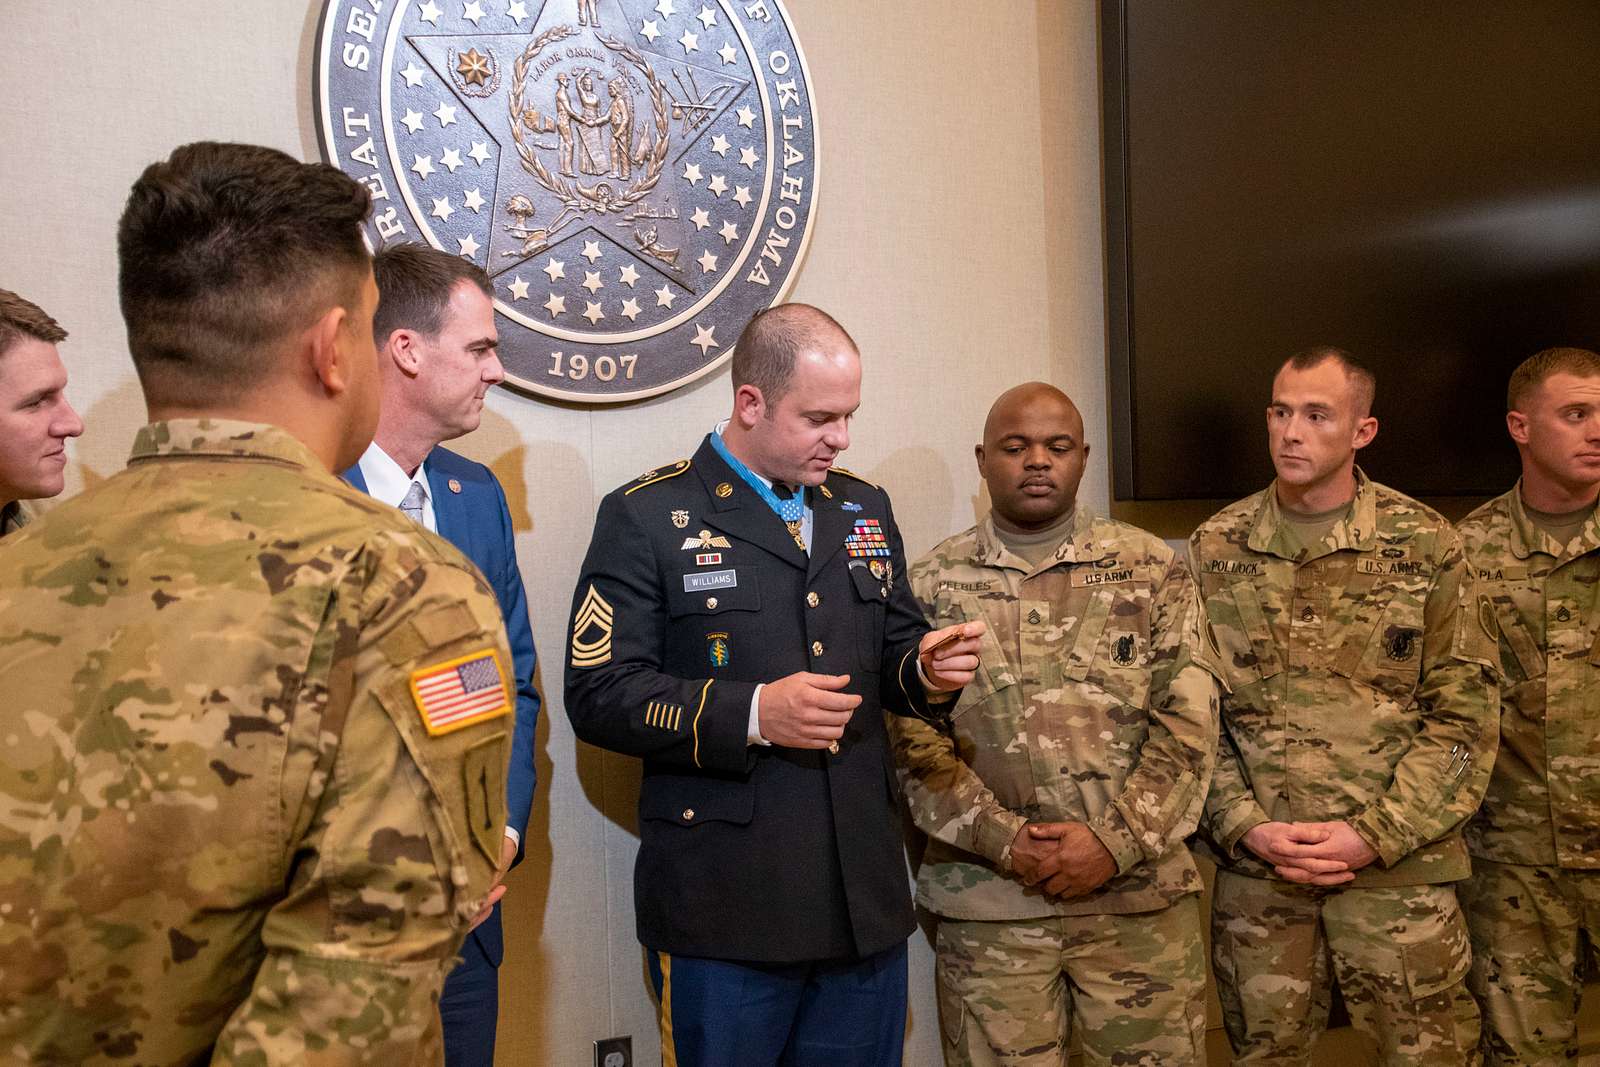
741, 622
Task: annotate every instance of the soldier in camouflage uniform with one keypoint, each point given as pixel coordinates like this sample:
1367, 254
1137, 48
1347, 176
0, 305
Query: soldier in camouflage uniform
255, 722
1357, 735
35, 418
1533, 901
1057, 800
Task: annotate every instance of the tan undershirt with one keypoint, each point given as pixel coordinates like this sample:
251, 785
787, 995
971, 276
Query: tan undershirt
1038, 545
1312, 526
1563, 526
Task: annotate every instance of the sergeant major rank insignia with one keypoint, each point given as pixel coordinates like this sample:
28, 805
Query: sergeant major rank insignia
637, 178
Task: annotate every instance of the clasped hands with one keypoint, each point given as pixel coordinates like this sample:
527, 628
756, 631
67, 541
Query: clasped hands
806, 710
1064, 859
1310, 853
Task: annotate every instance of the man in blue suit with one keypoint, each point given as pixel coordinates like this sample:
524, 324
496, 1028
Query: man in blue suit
436, 351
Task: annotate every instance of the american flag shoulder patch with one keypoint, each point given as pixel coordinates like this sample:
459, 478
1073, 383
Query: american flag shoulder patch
460, 692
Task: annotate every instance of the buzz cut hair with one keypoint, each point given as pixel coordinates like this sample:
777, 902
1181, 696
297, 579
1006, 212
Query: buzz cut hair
772, 342
20, 317
415, 283
225, 253
1363, 383
1532, 372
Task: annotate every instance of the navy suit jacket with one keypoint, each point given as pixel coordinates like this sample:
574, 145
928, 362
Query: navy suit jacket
477, 521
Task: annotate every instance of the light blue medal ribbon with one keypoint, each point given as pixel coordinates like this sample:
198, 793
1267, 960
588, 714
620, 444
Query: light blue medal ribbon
791, 511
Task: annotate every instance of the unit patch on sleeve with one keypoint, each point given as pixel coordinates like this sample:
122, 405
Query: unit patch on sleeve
591, 631
460, 692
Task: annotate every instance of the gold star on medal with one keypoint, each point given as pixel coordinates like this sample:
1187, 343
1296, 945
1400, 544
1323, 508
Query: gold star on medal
705, 338
519, 288
474, 68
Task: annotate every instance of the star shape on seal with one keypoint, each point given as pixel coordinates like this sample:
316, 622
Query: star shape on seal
412, 74
690, 42
665, 8
519, 288
630, 308
430, 12
650, 30
451, 159
665, 297
480, 152
591, 251
555, 269
719, 145
728, 55
445, 114
469, 247
423, 166
472, 12
691, 173
741, 196
413, 120
473, 66
592, 282
719, 185
729, 232
442, 209
706, 338
747, 118
517, 11
707, 261
592, 312
700, 219
707, 17
748, 157
474, 201
628, 275
556, 305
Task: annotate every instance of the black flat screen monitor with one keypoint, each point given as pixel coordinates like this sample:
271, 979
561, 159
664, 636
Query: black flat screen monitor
1415, 182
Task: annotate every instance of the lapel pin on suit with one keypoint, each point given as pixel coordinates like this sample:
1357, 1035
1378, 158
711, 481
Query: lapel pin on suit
455, 486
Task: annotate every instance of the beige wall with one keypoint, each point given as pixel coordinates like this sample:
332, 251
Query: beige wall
958, 238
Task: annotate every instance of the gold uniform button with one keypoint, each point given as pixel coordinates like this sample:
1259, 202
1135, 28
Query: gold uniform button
688, 813
711, 602
816, 648
883, 590
812, 599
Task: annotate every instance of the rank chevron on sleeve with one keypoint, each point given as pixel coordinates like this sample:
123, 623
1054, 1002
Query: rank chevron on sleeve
591, 631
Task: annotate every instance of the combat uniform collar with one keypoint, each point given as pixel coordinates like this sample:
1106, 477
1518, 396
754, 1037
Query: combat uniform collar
1527, 537
1078, 545
14, 516
222, 438
1357, 531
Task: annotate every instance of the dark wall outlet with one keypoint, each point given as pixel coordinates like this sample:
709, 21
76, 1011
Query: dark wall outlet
613, 1052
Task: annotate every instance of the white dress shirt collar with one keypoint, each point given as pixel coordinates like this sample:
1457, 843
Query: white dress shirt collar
386, 481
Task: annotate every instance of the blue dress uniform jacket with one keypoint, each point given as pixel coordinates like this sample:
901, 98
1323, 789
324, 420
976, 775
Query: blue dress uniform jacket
694, 591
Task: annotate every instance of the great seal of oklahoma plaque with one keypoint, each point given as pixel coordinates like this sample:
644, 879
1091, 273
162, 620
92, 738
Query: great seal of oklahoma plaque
637, 178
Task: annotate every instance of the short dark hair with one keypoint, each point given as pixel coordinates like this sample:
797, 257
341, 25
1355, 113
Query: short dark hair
772, 341
1532, 372
414, 286
224, 252
21, 318
1359, 374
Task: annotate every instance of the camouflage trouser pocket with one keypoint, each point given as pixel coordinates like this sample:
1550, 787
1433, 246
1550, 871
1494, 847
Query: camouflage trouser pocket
1434, 966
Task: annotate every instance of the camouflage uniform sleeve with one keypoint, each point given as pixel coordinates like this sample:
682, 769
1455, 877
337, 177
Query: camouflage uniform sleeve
947, 801
393, 849
1231, 808
1441, 779
1162, 798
